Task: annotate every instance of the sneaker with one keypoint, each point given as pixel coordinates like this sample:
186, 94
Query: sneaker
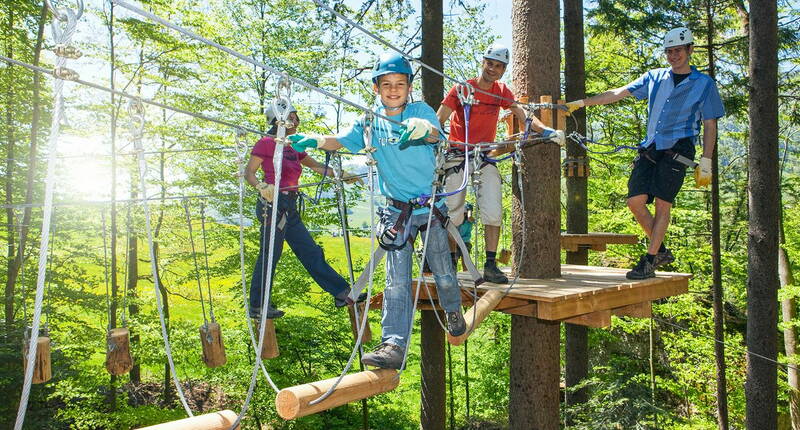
663, 258
456, 325
492, 274
643, 270
272, 313
385, 355
347, 301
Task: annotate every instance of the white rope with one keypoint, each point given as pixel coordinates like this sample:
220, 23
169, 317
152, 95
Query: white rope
136, 111
360, 325
70, 17
277, 163
241, 151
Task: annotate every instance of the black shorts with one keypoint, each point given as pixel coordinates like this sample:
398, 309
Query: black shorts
657, 174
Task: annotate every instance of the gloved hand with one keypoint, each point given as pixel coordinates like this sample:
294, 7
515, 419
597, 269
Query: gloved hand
702, 173
351, 178
266, 190
573, 106
415, 129
556, 136
302, 142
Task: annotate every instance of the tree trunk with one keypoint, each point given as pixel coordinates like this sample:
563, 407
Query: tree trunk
133, 277
716, 256
112, 312
535, 344
762, 280
788, 313
433, 405
577, 339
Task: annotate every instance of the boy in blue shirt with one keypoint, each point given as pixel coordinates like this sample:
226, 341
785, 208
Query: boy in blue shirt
679, 99
406, 162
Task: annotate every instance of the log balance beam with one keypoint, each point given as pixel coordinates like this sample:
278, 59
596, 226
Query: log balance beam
294, 402
476, 314
222, 420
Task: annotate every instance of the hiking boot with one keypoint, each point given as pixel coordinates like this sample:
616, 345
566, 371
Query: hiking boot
492, 274
456, 325
644, 269
272, 313
385, 355
343, 299
663, 258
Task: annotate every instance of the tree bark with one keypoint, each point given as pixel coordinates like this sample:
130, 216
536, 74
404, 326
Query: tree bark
535, 344
762, 283
716, 253
788, 313
432, 343
577, 338
9, 187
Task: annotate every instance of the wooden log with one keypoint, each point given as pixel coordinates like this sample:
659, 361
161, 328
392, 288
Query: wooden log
118, 352
293, 402
366, 337
213, 347
476, 314
41, 370
270, 347
222, 420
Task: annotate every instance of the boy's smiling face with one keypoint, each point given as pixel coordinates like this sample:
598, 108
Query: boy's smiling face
393, 89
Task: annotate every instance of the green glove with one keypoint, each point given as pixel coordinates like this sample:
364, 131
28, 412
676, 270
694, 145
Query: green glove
302, 142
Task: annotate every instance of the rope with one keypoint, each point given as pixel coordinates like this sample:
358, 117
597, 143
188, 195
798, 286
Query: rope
194, 258
70, 18
241, 150
136, 111
205, 254
360, 325
277, 162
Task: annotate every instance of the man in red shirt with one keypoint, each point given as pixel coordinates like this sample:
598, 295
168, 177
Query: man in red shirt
481, 127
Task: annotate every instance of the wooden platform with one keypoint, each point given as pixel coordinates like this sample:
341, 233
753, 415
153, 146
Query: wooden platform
595, 241
586, 295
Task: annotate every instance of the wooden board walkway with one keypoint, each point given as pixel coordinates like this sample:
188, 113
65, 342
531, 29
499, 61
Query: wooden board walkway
586, 295
595, 241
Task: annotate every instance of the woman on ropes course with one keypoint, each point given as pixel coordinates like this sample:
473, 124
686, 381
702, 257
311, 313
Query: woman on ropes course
289, 226
679, 98
476, 119
405, 156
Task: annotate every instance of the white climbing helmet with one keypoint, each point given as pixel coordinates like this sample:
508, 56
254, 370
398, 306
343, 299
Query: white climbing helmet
282, 104
498, 53
678, 37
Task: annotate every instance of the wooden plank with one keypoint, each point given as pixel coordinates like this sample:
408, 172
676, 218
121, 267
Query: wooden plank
597, 241
546, 115
561, 115
528, 310
636, 310
597, 319
609, 300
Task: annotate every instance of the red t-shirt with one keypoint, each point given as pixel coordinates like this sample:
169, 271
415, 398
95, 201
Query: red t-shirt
483, 115
291, 170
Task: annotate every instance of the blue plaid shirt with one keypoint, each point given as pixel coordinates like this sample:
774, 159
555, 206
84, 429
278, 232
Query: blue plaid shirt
674, 112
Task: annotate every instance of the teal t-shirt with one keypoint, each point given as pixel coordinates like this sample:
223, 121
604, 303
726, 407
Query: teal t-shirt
465, 230
405, 171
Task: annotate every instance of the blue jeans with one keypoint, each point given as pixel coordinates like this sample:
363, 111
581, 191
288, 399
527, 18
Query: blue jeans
291, 228
398, 295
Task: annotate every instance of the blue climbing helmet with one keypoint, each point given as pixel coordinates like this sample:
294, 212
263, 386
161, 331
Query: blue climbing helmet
391, 62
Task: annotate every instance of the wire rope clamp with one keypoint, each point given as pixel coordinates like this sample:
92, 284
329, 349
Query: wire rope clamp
213, 346
118, 353
42, 371
65, 73
67, 51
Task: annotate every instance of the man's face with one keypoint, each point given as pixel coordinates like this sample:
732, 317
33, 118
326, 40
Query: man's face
393, 89
678, 56
492, 70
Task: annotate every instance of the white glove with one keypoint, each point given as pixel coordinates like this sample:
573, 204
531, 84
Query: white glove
702, 173
556, 136
415, 129
267, 191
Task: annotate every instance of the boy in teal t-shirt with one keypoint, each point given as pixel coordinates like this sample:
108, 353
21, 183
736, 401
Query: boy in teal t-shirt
406, 162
